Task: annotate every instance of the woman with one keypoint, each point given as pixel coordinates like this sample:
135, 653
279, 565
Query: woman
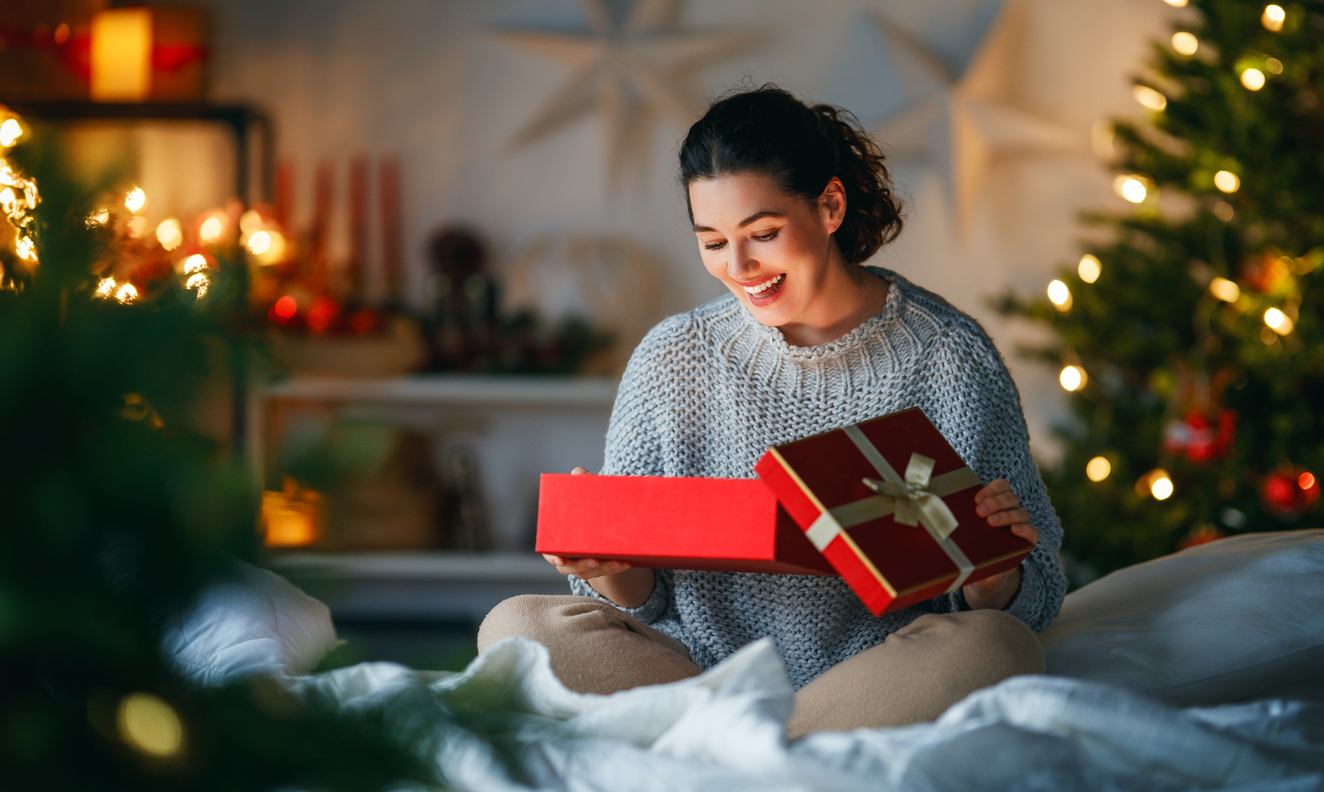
787, 201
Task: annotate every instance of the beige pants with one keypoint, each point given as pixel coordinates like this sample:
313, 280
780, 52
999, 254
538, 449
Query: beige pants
913, 676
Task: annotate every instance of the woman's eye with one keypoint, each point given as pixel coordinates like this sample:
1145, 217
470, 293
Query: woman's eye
714, 245
768, 237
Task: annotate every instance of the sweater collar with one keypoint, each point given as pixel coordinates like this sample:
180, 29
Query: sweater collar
896, 296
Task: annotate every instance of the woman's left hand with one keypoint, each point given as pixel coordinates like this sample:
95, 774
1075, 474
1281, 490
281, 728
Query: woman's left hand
1001, 507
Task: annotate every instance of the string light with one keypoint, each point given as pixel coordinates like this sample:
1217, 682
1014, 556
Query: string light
199, 282
1176, 3
150, 725
1306, 480
1253, 79
1089, 269
1132, 188
1149, 97
1227, 181
259, 243
195, 263
1072, 378
211, 229
250, 222
1274, 66
1224, 289
1185, 43
170, 234
135, 200
105, 287
1160, 485
97, 218
1059, 294
1278, 321
10, 132
1273, 17
1097, 469
285, 308
126, 293
1223, 211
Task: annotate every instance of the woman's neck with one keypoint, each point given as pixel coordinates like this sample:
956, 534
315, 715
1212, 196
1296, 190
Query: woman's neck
847, 296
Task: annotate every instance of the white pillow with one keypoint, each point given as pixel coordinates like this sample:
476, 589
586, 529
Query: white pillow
257, 622
1231, 620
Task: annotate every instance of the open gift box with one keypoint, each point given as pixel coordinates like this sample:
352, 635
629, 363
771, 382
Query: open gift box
886, 504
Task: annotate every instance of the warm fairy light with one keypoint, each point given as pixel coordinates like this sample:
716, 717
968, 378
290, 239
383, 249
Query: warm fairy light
1149, 97
285, 308
1273, 17
250, 222
259, 243
199, 282
1185, 43
1160, 484
1278, 321
105, 287
170, 234
275, 250
211, 229
1223, 211
1132, 188
1097, 469
10, 132
1253, 79
195, 263
1274, 66
135, 200
150, 725
1089, 269
1227, 181
1176, 3
1306, 480
98, 218
1059, 294
126, 293
8, 198
1072, 378
1224, 289
25, 248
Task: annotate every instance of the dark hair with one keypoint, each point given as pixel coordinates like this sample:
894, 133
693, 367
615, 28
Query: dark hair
769, 131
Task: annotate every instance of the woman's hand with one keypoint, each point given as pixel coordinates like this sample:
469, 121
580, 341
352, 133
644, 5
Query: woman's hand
1001, 507
628, 590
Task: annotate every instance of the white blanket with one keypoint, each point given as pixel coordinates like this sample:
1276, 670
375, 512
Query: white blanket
724, 730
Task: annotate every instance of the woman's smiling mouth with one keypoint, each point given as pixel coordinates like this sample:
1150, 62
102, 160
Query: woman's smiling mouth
765, 292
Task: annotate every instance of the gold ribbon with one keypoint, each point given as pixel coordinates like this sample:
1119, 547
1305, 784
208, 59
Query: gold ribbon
915, 499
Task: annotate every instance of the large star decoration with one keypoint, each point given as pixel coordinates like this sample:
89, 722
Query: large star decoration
958, 123
629, 68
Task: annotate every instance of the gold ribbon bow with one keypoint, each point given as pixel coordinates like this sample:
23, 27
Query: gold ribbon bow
915, 499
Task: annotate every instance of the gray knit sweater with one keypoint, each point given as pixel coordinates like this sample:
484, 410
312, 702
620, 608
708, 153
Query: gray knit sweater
705, 394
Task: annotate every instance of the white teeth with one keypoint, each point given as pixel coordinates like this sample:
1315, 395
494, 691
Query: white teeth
766, 285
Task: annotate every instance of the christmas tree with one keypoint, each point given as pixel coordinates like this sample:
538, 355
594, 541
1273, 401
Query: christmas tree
1192, 337
114, 513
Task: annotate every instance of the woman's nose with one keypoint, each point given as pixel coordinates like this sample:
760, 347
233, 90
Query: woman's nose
740, 263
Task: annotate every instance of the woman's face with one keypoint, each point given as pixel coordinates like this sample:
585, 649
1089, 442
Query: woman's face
772, 250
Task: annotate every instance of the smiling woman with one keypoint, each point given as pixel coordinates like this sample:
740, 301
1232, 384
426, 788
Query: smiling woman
787, 202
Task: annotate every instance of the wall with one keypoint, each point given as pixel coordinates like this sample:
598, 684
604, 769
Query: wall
428, 79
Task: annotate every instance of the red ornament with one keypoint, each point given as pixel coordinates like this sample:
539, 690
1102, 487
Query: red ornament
1199, 438
1288, 493
284, 311
323, 315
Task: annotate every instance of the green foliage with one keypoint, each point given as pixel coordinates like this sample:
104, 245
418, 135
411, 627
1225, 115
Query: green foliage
113, 514
1157, 344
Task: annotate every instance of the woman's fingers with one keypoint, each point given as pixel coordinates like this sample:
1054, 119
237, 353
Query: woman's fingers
997, 503
1027, 532
995, 487
585, 568
1009, 517
579, 471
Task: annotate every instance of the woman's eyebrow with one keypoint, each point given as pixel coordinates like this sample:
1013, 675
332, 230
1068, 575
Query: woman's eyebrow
756, 216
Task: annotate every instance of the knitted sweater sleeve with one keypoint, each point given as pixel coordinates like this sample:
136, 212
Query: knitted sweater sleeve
634, 440
970, 396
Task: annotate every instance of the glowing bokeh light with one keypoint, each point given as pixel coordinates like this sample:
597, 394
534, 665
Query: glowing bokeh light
1273, 17
1227, 181
150, 725
98, 218
1149, 97
1176, 3
8, 198
1223, 211
1252, 79
1097, 469
1160, 485
195, 263
1224, 289
170, 234
10, 132
1059, 294
200, 282
126, 293
1278, 321
1072, 378
135, 200
1306, 480
259, 243
1131, 188
1089, 269
285, 308
211, 229
1274, 66
105, 287
250, 222
1185, 43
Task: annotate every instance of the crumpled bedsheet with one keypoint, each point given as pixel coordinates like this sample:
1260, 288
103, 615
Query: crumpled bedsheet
507, 723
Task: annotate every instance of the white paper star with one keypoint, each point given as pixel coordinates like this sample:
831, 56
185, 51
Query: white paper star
628, 69
958, 124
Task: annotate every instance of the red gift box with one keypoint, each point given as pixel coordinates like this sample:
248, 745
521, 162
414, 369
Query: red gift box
732, 525
891, 505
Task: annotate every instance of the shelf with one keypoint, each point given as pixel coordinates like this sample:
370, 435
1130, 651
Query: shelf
454, 389
417, 586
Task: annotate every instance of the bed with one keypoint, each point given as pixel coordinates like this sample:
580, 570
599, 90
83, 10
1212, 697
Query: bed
1200, 670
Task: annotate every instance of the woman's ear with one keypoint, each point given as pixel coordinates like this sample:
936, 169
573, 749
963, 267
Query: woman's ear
832, 205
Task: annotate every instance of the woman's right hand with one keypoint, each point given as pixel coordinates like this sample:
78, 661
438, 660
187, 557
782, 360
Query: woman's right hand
585, 568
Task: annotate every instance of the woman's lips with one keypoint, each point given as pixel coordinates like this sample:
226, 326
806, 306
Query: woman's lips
766, 292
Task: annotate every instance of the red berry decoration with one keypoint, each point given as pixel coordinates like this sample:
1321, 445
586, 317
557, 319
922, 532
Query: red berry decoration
1200, 438
1289, 492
